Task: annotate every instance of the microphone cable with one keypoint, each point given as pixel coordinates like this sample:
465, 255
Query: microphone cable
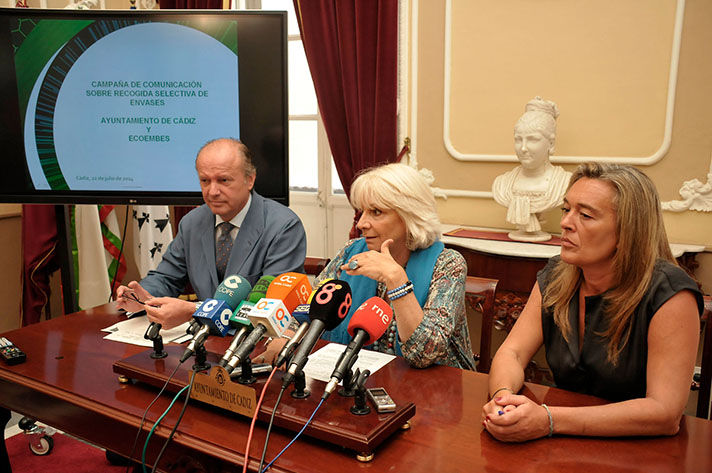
269, 428
158, 421
254, 419
295, 437
175, 427
302, 327
145, 413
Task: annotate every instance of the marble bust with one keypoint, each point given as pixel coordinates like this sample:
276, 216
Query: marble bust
536, 185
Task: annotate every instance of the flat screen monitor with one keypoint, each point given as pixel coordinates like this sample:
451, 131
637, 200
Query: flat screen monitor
112, 106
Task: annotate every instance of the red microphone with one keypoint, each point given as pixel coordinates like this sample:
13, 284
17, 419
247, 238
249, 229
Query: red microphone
368, 323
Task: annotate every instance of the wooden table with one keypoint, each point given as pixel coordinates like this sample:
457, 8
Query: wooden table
68, 383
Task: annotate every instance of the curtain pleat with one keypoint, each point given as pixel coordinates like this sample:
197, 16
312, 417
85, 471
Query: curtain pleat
352, 51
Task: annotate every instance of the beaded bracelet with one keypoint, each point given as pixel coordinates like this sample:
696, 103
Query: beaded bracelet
400, 291
400, 288
551, 419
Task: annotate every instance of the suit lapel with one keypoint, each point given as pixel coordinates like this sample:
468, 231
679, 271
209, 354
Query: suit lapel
207, 242
250, 232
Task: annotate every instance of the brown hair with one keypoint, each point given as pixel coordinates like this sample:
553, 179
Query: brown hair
641, 242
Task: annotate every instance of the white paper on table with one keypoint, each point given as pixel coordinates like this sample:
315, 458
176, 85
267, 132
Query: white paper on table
322, 362
132, 331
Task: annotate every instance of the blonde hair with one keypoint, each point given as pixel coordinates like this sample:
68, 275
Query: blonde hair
641, 242
401, 188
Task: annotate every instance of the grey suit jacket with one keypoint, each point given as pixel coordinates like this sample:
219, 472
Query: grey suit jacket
271, 241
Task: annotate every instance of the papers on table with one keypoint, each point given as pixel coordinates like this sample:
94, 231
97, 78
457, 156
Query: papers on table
321, 363
132, 331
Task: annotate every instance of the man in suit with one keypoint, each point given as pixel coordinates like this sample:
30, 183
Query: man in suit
263, 237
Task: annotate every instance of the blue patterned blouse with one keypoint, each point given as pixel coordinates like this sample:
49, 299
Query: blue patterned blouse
442, 336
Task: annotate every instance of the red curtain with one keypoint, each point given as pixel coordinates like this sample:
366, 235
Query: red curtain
191, 4
352, 51
39, 260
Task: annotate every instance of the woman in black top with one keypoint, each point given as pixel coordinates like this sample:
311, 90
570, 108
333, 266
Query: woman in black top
618, 317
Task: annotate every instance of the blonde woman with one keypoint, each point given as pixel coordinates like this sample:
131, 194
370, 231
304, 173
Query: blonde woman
400, 258
618, 318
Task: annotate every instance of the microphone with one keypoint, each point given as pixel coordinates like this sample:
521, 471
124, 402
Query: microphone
327, 309
271, 315
289, 347
239, 320
239, 317
301, 312
290, 288
233, 290
193, 326
214, 314
368, 323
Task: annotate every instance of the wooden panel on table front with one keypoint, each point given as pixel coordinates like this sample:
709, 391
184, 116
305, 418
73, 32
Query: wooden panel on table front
334, 423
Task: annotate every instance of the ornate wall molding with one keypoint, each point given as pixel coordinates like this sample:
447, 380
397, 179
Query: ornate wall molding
510, 158
695, 196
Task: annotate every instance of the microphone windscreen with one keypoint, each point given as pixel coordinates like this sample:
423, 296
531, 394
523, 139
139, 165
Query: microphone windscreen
239, 319
291, 288
321, 283
215, 314
301, 313
373, 316
272, 314
330, 303
260, 289
233, 290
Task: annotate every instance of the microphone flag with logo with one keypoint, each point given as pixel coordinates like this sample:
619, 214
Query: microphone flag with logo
368, 323
271, 315
328, 307
213, 315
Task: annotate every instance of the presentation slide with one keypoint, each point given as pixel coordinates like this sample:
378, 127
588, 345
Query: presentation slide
111, 105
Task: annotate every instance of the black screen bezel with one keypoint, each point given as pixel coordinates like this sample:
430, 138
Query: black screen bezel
262, 69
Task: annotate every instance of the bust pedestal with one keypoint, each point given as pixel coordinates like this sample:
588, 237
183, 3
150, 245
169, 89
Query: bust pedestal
521, 235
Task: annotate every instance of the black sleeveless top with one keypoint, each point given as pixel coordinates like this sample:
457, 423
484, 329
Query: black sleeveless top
589, 371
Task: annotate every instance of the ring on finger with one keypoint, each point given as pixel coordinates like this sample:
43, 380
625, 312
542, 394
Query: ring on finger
353, 264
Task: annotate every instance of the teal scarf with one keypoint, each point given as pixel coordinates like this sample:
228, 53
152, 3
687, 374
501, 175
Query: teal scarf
419, 270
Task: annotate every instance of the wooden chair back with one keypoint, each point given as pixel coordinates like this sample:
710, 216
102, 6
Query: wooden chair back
313, 266
479, 295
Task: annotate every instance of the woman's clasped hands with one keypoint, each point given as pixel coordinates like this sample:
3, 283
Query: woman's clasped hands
514, 418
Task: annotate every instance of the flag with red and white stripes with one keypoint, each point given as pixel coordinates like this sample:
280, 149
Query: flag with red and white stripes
99, 262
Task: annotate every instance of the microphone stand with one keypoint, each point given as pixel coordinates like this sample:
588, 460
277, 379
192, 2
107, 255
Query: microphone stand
360, 407
300, 390
201, 359
348, 384
153, 333
246, 376
300, 386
